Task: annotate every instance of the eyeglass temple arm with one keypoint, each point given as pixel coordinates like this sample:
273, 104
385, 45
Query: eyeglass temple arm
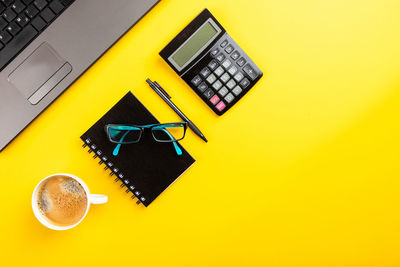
177, 148
118, 147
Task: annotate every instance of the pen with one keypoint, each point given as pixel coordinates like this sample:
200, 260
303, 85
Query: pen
167, 98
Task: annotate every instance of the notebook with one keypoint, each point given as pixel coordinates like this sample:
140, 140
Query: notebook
146, 168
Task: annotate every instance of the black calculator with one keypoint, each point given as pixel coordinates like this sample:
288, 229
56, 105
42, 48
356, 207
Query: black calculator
206, 57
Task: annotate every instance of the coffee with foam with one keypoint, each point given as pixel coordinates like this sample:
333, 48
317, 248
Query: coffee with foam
62, 200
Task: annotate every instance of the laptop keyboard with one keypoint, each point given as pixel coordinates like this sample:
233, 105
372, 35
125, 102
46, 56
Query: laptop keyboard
21, 21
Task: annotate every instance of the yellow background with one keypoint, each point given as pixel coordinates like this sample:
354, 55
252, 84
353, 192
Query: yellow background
303, 171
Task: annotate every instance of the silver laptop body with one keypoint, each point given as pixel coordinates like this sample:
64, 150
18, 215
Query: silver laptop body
59, 55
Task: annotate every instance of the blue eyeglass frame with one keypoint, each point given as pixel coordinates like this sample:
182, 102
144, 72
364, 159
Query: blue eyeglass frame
141, 128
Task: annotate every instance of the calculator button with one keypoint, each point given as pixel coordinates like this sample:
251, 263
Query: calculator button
220, 106
231, 84
223, 91
237, 90
217, 85
221, 57
224, 43
229, 98
209, 93
225, 78
214, 52
244, 83
235, 55
205, 72
227, 63
213, 64
211, 79
202, 87
214, 99
250, 71
219, 71
196, 80
229, 49
232, 70
241, 62
238, 77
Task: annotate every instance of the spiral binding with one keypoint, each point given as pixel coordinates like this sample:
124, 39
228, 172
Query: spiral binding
113, 170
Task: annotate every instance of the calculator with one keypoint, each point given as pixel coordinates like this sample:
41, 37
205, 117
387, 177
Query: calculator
206, 57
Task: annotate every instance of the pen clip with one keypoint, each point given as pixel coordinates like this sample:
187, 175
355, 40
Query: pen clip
162, 89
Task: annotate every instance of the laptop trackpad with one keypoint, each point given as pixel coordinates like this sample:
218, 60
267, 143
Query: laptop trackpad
39, 73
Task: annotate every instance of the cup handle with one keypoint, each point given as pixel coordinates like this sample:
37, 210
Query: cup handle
97, 199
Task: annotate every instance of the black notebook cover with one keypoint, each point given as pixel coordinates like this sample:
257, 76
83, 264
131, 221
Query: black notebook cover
146, 168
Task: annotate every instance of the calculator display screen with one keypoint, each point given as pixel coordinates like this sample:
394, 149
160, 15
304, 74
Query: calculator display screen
195, 44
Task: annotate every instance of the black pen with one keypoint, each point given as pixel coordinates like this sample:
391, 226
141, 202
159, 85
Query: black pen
167, 98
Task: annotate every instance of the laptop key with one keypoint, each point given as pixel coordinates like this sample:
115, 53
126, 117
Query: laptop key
47, 15
39, 23
31, 11
9, 14
22, 20
56, 6
13, 28
18, 6
5, 37
19, 42
40, 4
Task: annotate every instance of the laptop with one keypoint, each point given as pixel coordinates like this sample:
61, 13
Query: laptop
45, 45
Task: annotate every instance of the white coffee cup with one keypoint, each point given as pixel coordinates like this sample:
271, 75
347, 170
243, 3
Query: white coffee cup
91, 199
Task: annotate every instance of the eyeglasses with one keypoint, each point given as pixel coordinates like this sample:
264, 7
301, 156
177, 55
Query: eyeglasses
122, 134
